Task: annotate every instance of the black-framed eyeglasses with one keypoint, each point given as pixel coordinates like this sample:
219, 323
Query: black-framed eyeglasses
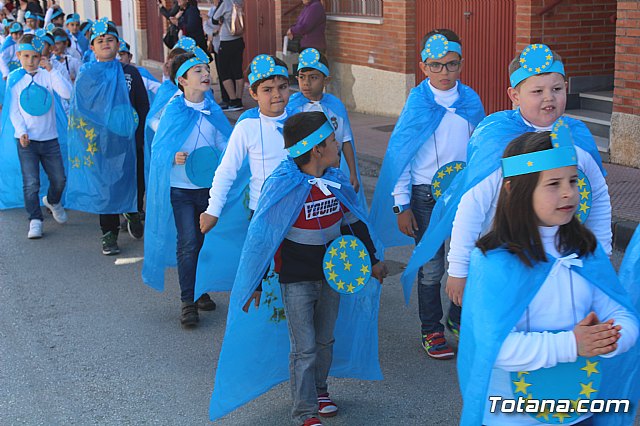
437, 66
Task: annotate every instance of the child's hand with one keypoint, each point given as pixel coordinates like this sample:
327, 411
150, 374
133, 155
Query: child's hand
379, 271
44, 63
181, 158
407, 223
207, 222
255, 297
596, 338
24, 140
455, 289
353, 179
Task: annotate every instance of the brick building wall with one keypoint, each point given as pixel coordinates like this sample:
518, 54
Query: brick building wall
583, 32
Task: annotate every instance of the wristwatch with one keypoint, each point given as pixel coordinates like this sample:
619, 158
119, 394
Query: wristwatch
397, 209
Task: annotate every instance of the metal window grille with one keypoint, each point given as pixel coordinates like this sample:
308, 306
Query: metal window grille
366, 8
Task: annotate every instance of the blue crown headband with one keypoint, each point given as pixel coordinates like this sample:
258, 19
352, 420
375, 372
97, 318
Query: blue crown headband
57, 13
72, 18
63, 38
16, 27
123, 47
200, 58
562, 154
310, 58
44, 36
437, 47
263, 66
186, 43
306, 144
535, 59
36, 45
101, 27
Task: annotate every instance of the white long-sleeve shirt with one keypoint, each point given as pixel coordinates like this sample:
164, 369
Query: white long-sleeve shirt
8, 55
69, 66
478, 207
532, 345
257, 139
448, 143
43, 127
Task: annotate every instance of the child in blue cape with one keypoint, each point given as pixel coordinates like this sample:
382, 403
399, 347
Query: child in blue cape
538, 90
545, 317
32, 111
106, 139
179, 188
8, 58
427, 148
67, 64
313, 76
78, 42
304, 205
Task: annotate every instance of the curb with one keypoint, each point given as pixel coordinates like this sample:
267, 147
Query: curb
622, 232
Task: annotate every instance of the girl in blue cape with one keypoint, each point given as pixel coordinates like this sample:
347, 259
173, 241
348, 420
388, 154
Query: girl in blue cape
313, 76
303, 206
192, 134
545, 317
8, 59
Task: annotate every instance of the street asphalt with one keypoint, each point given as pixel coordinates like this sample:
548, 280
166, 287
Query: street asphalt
83, 341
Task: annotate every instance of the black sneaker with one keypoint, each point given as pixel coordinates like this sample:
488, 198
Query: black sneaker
235, 105
134, 225
110, 244
224, 105
205, 303
189, 317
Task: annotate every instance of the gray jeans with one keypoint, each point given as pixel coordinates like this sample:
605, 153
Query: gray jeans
311, 308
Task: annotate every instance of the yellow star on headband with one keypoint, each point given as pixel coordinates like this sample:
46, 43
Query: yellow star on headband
441, 175
525, 52
549, 57
581, 183
584, 194
534, 47
556, 145
321, 136
354, 244
304, 143
530, 163
554, 135
428, 50
584, 207
523, 60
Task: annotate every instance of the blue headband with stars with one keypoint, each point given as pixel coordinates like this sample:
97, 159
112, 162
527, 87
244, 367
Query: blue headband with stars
72, 18
263, 66
56, 14
44, 36
36, 45
312, 140
310, 58
535, 59
16, 27
200, 58
437, 47
186, 43
102, 27
33, 16
562, 154
123, 47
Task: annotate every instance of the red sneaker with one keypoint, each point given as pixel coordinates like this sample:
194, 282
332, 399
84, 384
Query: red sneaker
326, 407
312, 421
436, 346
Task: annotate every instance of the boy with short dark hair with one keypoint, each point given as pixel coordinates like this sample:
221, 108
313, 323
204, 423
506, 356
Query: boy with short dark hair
79, 43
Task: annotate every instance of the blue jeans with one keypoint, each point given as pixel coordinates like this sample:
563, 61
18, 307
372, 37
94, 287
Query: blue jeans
311, 308
429, 275
187, 205
48, 154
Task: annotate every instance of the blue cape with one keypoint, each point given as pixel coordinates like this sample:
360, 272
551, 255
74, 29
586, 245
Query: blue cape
166, 90
630, 268
485, 150
255, 349
11, 191
146, 74
499, 289
419, 119
102, 146
8, 42
88, 56
334, 105
219, 256
160, 230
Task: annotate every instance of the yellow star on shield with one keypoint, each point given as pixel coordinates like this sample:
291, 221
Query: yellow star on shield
328, 265
347, 266
332, 276
353, 244
362, 254
364, 269
333, 252
360, 280
340, 285
350, 288
343, 256
343, 243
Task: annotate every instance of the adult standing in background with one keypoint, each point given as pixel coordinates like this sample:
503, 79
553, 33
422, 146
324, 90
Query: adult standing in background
213, 32
186, 16
311, 25
230, 54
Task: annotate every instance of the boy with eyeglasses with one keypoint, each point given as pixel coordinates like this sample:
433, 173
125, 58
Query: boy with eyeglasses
428, 142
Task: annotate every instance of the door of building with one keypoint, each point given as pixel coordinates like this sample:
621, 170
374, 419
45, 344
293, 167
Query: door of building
155, 27
260, 28
487, 31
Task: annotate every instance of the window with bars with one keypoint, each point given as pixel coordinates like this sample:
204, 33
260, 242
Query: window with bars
359, 8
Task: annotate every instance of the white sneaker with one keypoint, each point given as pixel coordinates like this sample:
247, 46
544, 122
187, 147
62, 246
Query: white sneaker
59, 215
35, 229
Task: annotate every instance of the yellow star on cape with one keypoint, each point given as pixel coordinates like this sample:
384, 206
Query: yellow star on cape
459, 167
340, 285
441, 175
332, 276
561, 416
88, 161
435, 184
362, 254
353, 244
360, 280
81, 124
584, 194
584, 207
347, 266
350, 288
343, 256
521, 386
92, 148
587, 389
590, 367
90, 134
544, 414
581, 183
343, 243
364, 269
328, 265
438, 193
522, 373
333, 251
75, 163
